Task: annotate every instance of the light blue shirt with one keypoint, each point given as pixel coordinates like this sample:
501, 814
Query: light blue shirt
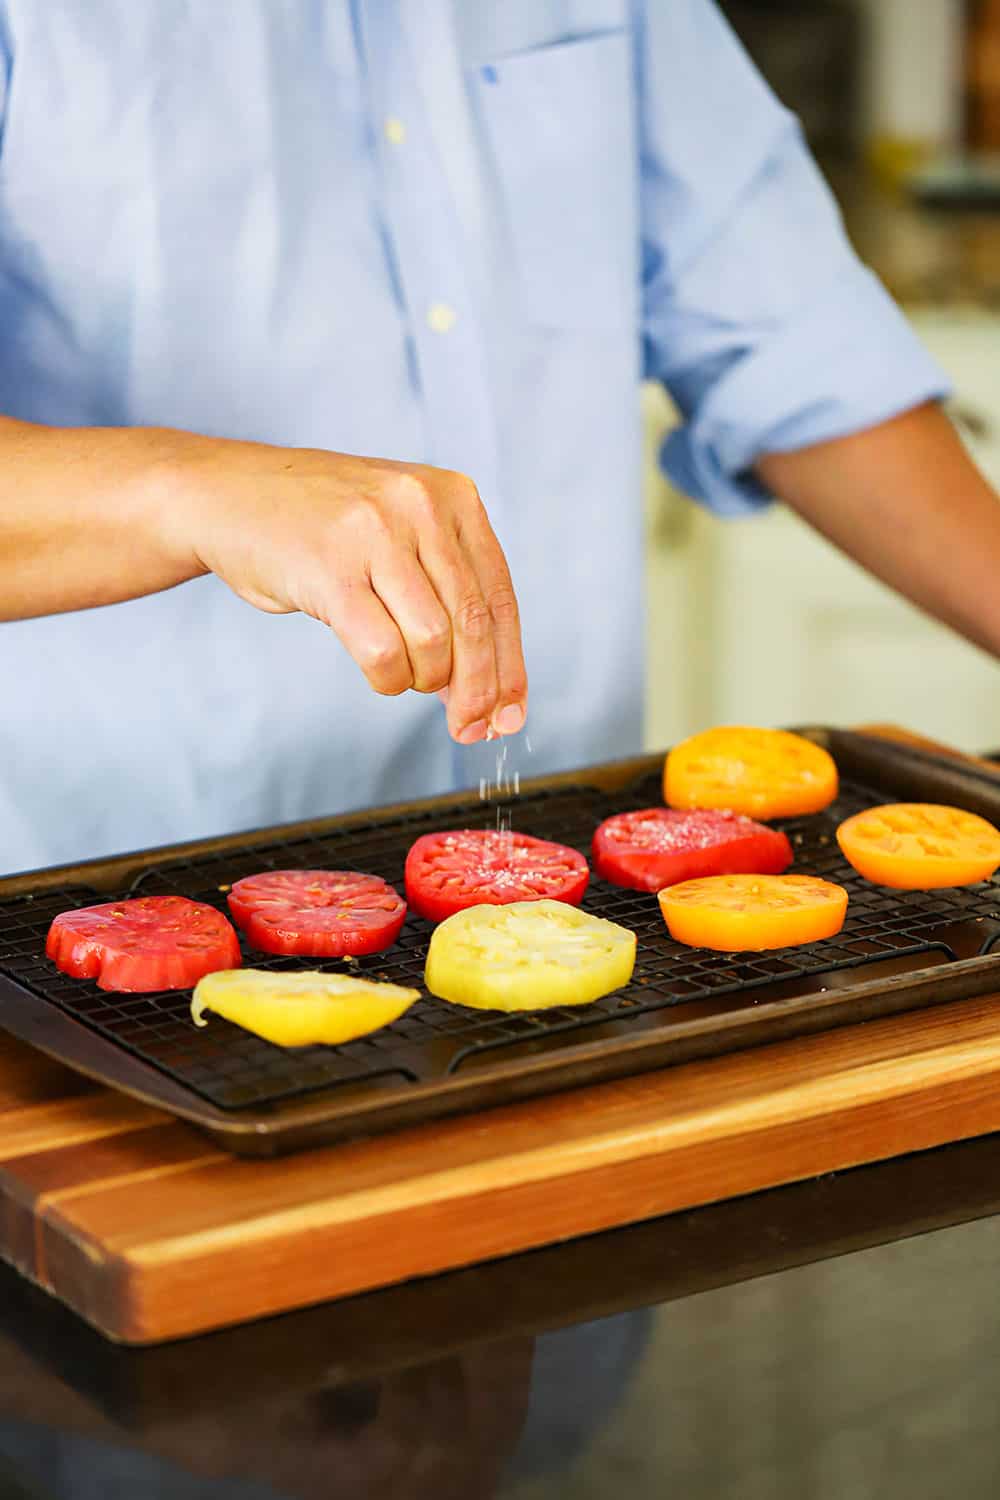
458, 231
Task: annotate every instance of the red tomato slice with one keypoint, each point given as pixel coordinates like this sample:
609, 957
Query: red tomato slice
447, 872
143, 944
650, 850
317, 913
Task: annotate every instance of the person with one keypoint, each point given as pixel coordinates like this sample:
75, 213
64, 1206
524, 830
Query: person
324, 314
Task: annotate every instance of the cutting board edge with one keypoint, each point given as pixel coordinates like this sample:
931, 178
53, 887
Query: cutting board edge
133, 1302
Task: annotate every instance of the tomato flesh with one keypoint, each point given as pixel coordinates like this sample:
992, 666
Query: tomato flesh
764, 773
528, 955
317, 913
143, 944
301, 1009
920, 846
750, 913
448, 872
661, 846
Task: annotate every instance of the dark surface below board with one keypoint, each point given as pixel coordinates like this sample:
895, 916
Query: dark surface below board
836, 1340
898, 950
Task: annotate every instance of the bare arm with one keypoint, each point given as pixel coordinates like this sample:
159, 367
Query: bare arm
905, 500
399, 560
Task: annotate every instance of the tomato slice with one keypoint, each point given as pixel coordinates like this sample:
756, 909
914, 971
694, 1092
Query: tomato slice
317, 913
764, 773
144, 943
744, 913
660, 846
302, 1009
530, 955
447, 872
920, 846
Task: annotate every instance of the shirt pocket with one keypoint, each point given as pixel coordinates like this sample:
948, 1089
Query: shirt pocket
559, 123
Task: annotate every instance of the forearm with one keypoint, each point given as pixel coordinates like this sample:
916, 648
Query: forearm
79, 518
905, 501
400, 560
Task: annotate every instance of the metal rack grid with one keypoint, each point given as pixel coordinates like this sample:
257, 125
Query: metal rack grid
234, 1070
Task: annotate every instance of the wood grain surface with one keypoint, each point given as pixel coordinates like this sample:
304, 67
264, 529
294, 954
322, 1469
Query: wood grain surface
150, 1233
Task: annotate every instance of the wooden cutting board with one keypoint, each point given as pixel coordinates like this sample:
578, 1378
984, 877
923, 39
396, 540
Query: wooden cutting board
150, 1233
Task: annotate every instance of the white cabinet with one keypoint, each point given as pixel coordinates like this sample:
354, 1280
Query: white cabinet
968, 346
761, 621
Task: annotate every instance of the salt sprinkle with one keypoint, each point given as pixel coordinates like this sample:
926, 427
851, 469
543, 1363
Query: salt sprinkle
503, 788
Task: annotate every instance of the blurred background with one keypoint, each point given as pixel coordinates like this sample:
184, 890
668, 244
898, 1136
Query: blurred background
901, 101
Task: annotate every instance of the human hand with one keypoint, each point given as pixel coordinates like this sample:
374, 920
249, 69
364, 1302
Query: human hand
399, 560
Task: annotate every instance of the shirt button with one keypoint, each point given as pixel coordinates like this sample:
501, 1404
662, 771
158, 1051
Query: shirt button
441, 318
395, 131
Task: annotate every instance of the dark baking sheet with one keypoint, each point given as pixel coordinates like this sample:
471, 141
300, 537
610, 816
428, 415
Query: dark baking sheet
898, 950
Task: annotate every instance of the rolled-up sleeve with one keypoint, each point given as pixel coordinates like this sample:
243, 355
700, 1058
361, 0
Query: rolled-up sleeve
758, 317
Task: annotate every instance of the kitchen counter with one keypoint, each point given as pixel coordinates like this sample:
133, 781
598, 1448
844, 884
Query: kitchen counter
925, 257
835, 1340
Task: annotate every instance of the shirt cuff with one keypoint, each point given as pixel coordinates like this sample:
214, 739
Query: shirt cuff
849, 364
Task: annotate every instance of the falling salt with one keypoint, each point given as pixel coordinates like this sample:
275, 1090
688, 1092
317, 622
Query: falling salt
503, 787
503, 783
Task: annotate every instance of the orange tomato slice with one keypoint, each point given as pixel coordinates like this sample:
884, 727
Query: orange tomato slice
919, 846
748, 913
764, 773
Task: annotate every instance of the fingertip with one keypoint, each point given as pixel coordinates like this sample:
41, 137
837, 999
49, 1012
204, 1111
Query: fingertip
474, 734
509, 719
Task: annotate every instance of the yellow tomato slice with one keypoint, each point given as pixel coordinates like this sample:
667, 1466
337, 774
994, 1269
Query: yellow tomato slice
764, 773
529, 955
301, 1009
919, 846
747, 913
